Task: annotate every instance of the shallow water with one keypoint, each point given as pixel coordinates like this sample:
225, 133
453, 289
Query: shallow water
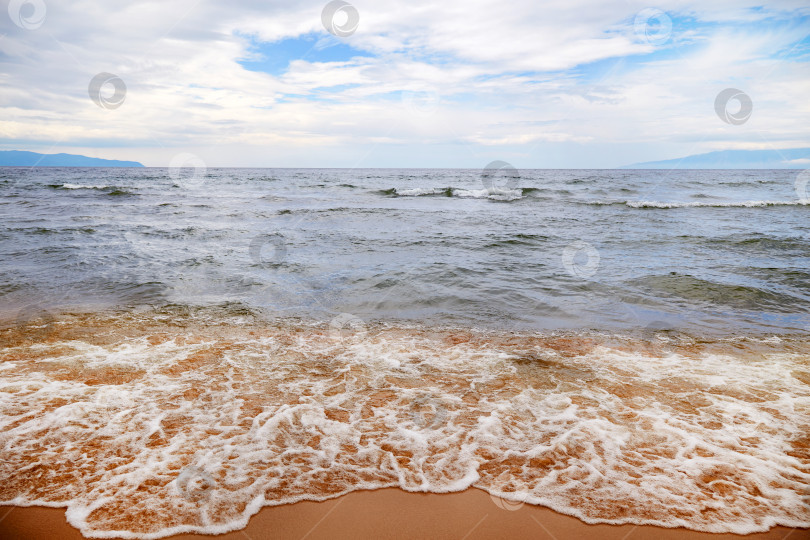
176, 353
156, 422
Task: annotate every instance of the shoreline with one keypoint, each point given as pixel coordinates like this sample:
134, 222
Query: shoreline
394, 513
164, 416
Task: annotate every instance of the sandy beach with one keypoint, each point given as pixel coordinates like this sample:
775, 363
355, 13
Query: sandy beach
393, 513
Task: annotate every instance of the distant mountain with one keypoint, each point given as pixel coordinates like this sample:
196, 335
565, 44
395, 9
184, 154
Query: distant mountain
794, 158
17, 158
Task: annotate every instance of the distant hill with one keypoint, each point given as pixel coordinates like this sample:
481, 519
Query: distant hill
794, 158
18, 158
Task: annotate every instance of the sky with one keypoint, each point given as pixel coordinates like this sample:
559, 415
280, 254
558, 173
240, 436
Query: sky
574, 84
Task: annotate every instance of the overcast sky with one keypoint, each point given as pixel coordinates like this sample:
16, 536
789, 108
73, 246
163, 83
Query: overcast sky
416, 84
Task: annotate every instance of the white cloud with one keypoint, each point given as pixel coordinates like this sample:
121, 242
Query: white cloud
512, 77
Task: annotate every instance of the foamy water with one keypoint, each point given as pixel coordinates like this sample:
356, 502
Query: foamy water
150, 423
79, 186
492, 193
698, 204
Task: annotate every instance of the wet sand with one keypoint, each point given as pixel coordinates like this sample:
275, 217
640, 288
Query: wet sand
393, 513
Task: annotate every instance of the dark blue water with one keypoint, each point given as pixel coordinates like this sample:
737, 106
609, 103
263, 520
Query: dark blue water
713, 252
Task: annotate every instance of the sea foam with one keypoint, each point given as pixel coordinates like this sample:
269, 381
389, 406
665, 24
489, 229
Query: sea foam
493, 193
143, 429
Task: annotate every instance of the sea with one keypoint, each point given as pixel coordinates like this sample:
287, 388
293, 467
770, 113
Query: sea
182, 347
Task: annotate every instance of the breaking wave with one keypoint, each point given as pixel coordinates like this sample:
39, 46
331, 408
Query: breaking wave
700, 204
81, 186
496, 194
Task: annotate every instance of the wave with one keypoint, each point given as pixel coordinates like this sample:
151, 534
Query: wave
538, 193
748, 242
699, 204
517, 240
109, 189
145, 425
737, 296
81, 186
422, 192
495, 194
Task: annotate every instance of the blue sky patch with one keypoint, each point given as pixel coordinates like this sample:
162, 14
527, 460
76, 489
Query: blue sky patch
274, 58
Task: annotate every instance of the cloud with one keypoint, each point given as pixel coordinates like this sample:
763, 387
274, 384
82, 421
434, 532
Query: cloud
261, 83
